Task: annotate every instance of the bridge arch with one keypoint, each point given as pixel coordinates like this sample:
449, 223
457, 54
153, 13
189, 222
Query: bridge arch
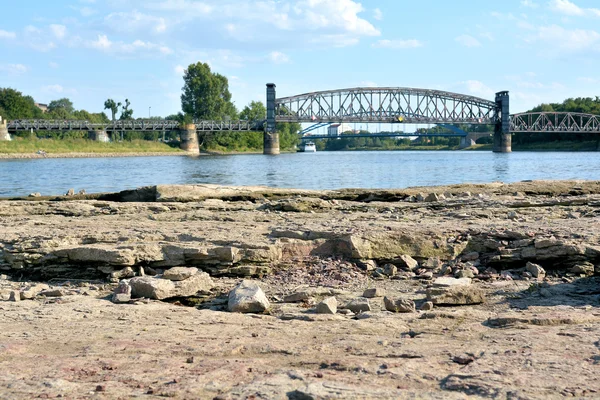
387, 104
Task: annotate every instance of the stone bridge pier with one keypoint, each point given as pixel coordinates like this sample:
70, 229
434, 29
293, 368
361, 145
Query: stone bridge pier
502, 135
271, 136
98, 135
4, 135
471, 138
189, 139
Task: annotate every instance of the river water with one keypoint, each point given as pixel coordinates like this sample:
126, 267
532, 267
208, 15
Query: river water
321, 170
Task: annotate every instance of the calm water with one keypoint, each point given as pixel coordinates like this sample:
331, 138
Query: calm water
323, 170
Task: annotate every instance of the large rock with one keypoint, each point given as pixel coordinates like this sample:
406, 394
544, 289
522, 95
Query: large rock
374, 292
247, 297
536, 270
399, 305
180, 273
33, 291
446, 281
159, 289
327, 306
456, 295
359, 305
408, 262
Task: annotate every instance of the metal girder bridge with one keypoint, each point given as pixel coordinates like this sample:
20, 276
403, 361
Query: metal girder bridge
541, 122
136, 125
386, 105
384, 135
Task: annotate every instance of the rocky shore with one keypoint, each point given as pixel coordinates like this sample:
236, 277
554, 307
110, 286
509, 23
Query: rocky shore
17, 156
489, 291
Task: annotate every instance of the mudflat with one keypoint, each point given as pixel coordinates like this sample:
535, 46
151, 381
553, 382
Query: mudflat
487, 291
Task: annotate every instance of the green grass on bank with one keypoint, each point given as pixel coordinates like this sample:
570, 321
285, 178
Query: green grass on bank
52, 146
591, 145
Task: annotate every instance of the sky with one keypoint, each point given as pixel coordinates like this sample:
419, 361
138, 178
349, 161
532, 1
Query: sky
89, 50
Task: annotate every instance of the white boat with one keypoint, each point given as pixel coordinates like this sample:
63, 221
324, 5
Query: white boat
308, 147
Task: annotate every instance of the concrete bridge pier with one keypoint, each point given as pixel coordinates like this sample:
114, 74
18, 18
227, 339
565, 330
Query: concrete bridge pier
465, 142
502, 136
4, 135
98, 135
271, 136
189, 139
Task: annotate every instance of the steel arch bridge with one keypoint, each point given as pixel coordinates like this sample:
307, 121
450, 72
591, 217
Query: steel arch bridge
542, 122
386, 105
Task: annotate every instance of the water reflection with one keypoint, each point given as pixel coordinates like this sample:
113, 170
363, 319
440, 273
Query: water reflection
322, 170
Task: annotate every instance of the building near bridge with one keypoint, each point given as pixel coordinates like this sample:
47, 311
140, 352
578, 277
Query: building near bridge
338, 129
42, 106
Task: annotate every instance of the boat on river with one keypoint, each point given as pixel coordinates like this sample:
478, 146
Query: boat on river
308, 147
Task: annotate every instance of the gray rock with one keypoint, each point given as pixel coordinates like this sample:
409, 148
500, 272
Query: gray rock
408, 262
390, 270
374, 292
126, 272
446, 281
465, 273
358, 305
456, 295
297, 297
159, 289
35, 194
70, 192
81, 192
431, 197
327, 306
512, 215
432, 263
123, 288
33, 291
584, 268
472, 256
14, 296
247, 297
367, 265
59, 292
179, 273
427, 306
399, 305
536, 270
120, 298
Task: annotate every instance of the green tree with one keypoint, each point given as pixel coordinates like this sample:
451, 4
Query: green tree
126, 113
17, 106
113, 107
206, 94
61, 108
255, 111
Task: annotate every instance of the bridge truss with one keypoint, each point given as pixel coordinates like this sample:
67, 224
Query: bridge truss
386, 105
555, 122
135, 125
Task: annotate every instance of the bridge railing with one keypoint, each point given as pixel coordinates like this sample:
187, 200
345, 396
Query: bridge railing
555, 122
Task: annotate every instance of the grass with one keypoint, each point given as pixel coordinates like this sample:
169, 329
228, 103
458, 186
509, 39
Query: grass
51, 146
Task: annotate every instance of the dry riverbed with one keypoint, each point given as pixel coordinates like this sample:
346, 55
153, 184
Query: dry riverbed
488, 291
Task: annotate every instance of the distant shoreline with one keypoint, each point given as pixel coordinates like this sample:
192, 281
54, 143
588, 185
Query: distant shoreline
35, 156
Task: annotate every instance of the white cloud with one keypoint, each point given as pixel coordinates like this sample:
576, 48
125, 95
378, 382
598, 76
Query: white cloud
7, 35
53, 89
135, 21
14, 69
278, 57
467, 41
87, 11
179, 70
53, 64
377, 14
568, 8
102, 43
565, 39
398, 44
586, 79
478, 88
529, 4
59, 31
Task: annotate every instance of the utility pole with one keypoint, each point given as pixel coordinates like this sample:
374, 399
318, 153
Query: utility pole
149, 108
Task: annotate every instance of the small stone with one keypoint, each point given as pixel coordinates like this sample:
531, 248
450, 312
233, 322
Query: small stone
432, 263
35, 194
427, 306
472, 256
465, 273
506, 276
54, 293
327, 306
456, 295
15, 295
179, 273
70, 192
446, 281
247, 297
390, 270
190, 360
408, 262
100, 388
431, 197
512, 215
367, 265
399, 305
359, 305
297, 297
426, 275
126, 272
536, 270
33, 291
374, 292
81, 192
585, 268
120, 298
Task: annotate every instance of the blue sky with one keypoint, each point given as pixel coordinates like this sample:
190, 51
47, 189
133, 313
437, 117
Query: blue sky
91, 50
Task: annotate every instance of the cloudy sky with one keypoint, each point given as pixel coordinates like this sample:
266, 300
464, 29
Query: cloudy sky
90, 50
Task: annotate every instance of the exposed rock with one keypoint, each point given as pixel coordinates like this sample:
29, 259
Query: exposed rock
390, 270
427, 306
297, 297
247, 297
399, 305
179, 273
327, 306
358, 305
81, 192
119, 298
367, 265
374, 292
58, 292
33, 291
584, 268
431, 197
433, 263
465, 273
35, 194
472, 256
14, 296
445, 281
126, 272
159, 289
536, 270
70, 192
456, 295
406, 261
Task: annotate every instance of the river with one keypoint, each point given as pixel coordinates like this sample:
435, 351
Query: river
322, 170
